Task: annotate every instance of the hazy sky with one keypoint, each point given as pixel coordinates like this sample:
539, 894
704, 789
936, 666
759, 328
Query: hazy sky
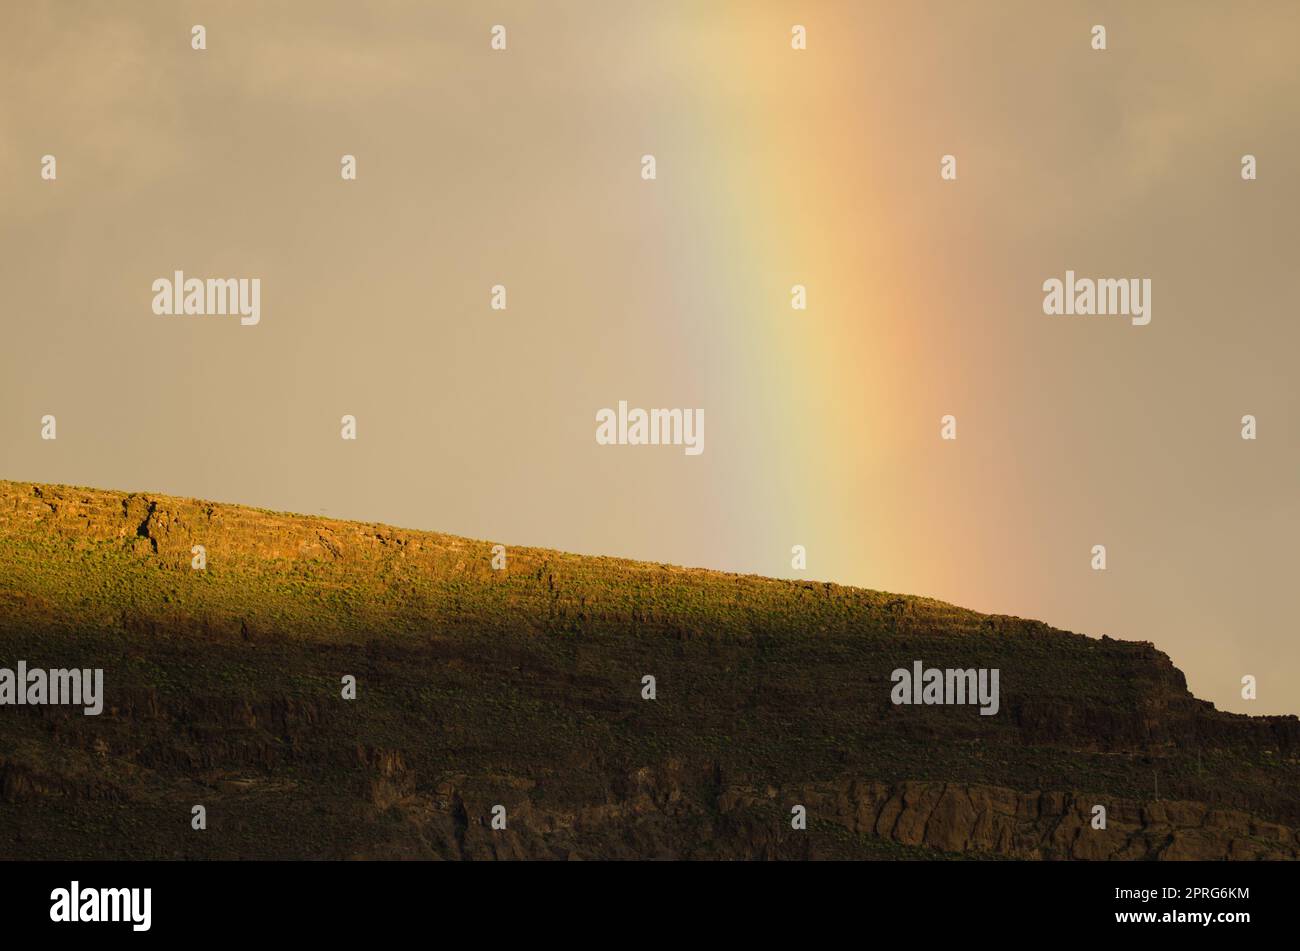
774, 167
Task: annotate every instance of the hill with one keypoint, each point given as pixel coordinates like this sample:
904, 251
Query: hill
522, 687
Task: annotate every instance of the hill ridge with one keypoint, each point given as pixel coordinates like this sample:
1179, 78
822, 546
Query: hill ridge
523, 686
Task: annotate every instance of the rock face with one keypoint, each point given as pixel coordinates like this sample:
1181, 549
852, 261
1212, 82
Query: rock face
521, 688
1055, 825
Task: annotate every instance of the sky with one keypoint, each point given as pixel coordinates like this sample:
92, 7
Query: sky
773, 167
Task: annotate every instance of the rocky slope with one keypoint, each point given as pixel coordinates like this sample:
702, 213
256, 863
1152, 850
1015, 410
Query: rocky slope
522, 688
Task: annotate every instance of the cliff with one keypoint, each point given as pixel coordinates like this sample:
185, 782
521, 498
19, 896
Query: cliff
522, 687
